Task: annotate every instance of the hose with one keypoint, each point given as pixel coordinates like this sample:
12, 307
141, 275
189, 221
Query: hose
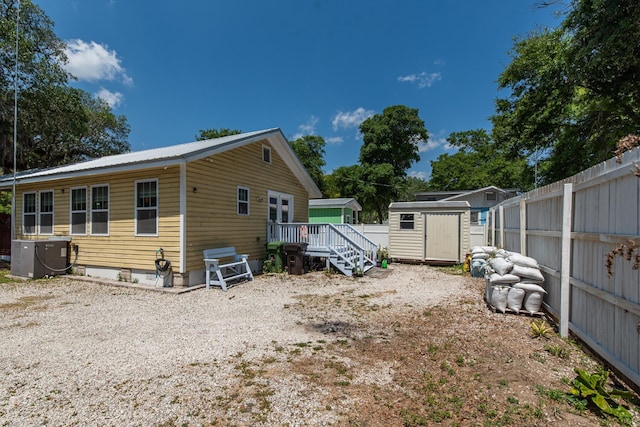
58, 270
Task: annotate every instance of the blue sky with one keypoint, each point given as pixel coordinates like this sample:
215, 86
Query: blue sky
306, 66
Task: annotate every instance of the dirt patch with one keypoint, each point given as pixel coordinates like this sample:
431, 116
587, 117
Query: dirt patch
405, 346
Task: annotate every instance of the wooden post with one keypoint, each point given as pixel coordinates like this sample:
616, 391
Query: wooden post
523, 226
493, 228
501, 212
565, 269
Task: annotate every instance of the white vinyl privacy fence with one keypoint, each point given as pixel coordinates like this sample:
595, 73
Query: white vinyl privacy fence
573, 228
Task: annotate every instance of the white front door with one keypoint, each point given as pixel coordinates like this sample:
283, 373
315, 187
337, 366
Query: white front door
280, 207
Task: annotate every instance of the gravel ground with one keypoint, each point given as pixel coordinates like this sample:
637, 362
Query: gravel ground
79, 353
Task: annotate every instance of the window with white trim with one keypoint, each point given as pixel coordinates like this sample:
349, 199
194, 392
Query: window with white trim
100, 210
266, 154
280, 207
29, 213
45, 222
243, 201
147, 208
79, 210
407, 221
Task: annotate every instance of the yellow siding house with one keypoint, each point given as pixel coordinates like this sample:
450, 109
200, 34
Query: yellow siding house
120, 213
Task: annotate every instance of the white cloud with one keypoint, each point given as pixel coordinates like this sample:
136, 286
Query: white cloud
350, 119
423, 79
334, 140
114, 99
431, 144
93, 62
308, 128
418, 174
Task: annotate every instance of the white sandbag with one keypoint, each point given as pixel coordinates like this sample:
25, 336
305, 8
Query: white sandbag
529, 273
480, 255
477, 249
515, 299
505, 279
530, 287
500, 265
525, 261
533, 302
489, 249
499, 295
501, 253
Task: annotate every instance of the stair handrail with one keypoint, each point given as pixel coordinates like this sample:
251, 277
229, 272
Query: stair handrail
349, 243
361, 251
373, 246
295, 233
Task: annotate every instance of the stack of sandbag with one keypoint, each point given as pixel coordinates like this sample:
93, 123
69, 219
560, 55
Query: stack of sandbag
513, 282
479, 257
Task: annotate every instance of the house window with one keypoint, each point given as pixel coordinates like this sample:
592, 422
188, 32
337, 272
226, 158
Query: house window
29, 213
100, 210
243, 201
406, 221
147, 208
46, 212
266, 154
491, 195
79, 210
474, 217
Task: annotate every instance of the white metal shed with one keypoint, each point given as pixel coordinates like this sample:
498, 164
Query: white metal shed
430, 232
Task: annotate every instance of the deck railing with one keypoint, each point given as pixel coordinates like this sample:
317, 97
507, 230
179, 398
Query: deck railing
341, 240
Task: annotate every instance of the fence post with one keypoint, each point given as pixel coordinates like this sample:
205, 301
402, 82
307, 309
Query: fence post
523, 226
501, 212
565, 269
492, 226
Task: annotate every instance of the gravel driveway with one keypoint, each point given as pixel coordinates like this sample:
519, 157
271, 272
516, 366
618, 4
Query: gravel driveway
79, 353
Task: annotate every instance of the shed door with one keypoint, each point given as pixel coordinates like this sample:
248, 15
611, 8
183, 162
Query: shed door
442, 236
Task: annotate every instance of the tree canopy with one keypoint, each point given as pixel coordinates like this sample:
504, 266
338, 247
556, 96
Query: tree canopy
310, 151
573, 90
57, 124
213, 133
479, 162
390, 147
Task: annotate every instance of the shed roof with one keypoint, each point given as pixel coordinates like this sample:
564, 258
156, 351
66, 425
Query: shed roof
344, 202
171, 155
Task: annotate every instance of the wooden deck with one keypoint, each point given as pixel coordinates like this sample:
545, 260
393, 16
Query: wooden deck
345, 248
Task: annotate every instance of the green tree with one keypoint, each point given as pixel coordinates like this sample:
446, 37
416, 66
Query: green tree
216, 133
364, 183
411, 186
310, 151
573, 91
56, 123
390, 147
479, 162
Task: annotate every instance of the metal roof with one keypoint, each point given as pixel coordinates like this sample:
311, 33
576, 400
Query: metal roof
165, 156
345, 202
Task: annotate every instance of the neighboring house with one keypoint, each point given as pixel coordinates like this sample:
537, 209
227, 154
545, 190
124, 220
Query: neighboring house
334, 211
480, 200
122, 211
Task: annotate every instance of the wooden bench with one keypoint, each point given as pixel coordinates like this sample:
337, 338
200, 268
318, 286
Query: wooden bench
218, 274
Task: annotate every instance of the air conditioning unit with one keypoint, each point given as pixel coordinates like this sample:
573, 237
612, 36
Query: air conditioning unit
39, 258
